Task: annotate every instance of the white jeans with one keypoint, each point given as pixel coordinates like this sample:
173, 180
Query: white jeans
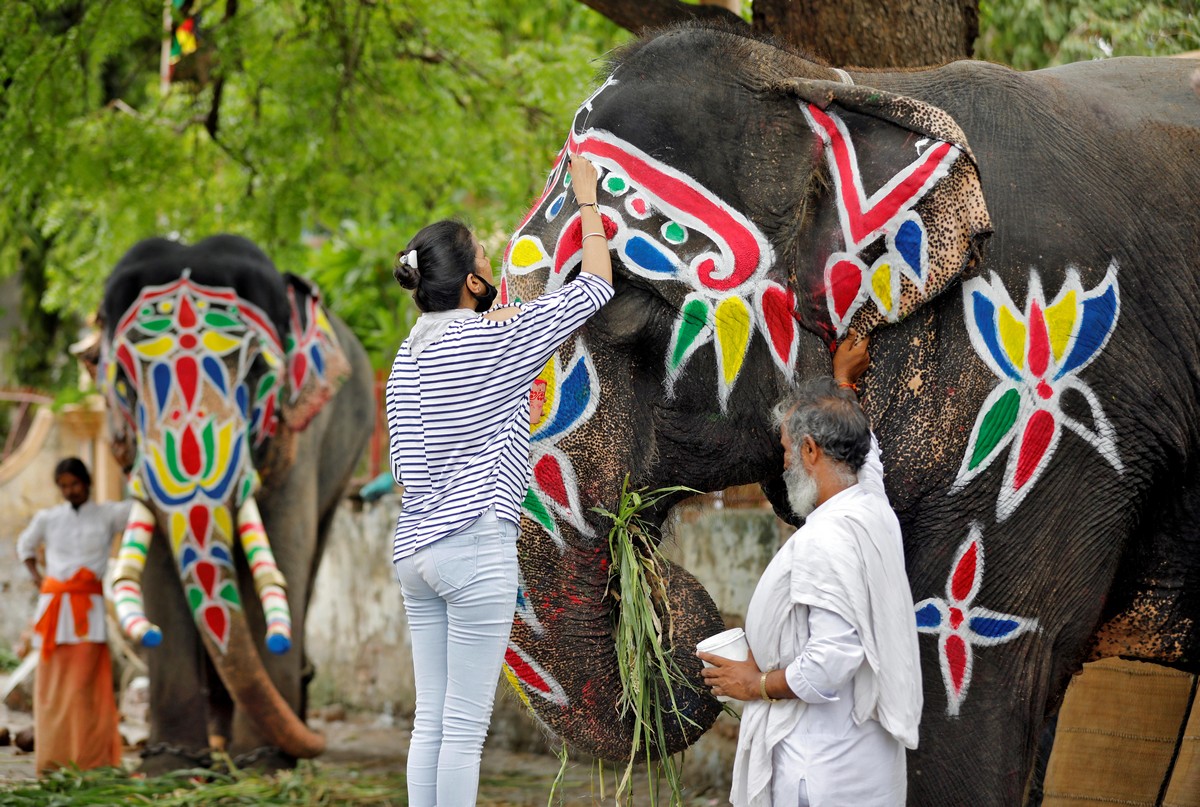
460, 594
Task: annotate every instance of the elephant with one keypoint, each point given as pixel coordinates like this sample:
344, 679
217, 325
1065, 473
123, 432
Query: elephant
238, 407
1019, 247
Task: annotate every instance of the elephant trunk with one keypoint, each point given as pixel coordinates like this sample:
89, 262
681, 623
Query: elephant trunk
244, 676
563, 656
205, 567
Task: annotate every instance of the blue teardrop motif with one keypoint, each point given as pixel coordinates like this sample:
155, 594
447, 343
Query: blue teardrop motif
909, 239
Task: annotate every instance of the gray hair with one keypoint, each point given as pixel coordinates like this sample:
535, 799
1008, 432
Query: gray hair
831, 416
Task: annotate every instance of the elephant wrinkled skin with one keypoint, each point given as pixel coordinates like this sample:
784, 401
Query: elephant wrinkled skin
1021, 247
239, 407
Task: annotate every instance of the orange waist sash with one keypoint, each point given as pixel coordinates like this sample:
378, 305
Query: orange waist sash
82, 584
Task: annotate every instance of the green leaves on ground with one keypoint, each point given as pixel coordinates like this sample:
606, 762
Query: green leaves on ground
107, 786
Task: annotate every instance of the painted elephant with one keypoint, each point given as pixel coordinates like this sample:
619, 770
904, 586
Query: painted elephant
239, 407
1022, 246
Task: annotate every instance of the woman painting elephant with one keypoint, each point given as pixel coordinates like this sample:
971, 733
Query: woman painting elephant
458, 412
239, 408
1020, 247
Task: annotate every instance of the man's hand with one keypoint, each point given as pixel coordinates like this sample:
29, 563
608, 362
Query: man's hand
740, 680
31, 565
851, 358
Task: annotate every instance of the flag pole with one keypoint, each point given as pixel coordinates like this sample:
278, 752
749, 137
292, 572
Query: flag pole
164, 62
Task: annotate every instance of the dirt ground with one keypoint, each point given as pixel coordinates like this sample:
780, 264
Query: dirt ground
363, 745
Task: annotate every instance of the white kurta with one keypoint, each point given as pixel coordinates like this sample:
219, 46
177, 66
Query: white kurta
834, 609
74, 539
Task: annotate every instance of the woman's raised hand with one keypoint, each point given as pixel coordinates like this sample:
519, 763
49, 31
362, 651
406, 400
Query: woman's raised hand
584, 177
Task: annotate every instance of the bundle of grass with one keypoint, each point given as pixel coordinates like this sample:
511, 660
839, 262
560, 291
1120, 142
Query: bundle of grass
645, 643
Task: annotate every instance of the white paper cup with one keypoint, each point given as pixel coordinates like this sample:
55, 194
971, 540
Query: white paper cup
730, 644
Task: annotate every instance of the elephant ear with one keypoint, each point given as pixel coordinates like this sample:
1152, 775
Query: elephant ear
907, 214
316, 364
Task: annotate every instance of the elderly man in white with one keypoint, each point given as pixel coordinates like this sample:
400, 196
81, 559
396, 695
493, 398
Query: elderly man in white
833, 682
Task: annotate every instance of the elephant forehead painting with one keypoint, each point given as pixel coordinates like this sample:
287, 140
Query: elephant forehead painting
758, 206
667, 226
214, 364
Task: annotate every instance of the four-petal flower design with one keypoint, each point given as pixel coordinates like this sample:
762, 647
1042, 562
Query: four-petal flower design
960, 625
1037, 353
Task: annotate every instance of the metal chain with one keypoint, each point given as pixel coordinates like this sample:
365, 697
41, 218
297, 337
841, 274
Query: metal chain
201, 757
252, 756
204, 756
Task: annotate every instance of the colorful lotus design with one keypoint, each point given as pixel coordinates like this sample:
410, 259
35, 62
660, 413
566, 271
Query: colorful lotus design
1037, 353
960, 625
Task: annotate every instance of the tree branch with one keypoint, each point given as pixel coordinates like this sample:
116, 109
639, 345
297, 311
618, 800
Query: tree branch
636, 15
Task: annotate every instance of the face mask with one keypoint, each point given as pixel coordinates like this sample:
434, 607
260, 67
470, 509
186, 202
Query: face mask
484, 301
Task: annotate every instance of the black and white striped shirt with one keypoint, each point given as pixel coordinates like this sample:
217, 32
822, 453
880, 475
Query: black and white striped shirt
458, 415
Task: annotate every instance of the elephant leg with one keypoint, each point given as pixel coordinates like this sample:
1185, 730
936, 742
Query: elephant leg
178, 700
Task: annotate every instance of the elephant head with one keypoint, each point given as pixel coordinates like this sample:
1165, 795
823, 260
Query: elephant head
757, 207
211, 362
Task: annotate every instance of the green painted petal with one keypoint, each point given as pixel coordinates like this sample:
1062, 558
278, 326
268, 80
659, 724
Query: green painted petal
229, 593
694, 319
156, 325
173, 458
210, 449
537, 511
195, 597
994, 426
219, 319
264, 386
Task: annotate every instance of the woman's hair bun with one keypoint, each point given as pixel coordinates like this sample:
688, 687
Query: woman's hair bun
406, 272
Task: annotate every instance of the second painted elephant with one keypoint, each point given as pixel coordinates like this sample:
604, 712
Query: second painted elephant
1022, 247
239, 408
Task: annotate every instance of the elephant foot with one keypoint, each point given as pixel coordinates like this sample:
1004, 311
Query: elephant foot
163, 758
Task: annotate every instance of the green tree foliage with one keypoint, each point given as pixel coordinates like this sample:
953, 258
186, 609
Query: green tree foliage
1029, 34
328, 131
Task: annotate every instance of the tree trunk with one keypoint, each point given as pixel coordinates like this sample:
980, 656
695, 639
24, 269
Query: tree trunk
874, 33
858, 33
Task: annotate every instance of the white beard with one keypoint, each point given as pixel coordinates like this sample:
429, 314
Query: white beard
801, 489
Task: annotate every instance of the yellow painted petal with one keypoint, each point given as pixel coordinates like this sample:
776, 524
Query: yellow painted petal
516, 685
219, 343
179, 530
733, 335
1012, 336
153, 348
164, 475
223, 522
1060, 322
527, 252
548, 374
881, 283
